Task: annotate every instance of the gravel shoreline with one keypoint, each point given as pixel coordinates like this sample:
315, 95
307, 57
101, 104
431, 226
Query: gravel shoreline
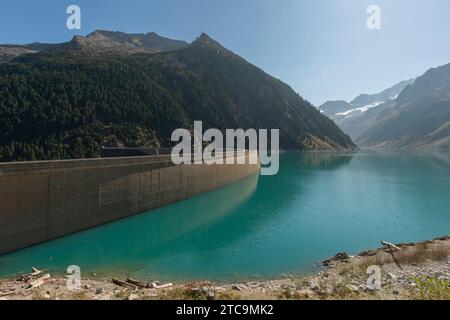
408, 271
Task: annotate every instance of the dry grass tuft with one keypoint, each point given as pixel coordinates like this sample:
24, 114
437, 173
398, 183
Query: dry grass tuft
413, 255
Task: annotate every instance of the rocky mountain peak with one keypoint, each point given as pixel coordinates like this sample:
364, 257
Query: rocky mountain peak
204, 39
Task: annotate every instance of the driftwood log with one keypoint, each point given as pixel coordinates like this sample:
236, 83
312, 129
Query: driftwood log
27, 277
124, 284
391, 245
38, 282
140, 284
163, 286
4, 294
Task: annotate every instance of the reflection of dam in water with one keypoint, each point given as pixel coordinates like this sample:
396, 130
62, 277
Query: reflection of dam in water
138, 239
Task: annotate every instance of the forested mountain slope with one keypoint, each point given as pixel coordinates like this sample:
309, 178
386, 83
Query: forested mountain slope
62, 104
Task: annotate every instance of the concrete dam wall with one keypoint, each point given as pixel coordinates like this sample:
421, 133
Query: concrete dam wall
40, 201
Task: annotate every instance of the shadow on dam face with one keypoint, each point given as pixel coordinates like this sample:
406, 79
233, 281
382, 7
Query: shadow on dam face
140, 238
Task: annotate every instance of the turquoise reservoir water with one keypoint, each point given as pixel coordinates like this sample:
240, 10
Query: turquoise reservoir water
318, 205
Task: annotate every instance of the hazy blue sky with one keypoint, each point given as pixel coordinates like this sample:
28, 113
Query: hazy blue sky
322, 48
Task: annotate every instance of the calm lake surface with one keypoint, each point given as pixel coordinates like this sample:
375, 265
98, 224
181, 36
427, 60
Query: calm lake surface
319, 204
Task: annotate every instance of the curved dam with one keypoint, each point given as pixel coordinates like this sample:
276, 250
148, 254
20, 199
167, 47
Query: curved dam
41, 201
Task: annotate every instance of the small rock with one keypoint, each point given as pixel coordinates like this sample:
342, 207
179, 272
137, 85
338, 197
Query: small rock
328, 290
341, 256
314, 286
219, 289
47, 296
327, 263
210, 294
205, 289
237, 288
392, 276
305, 293
368, 253
371, 289
352, 288
86, 286
396, 292
98, 291
133, 297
